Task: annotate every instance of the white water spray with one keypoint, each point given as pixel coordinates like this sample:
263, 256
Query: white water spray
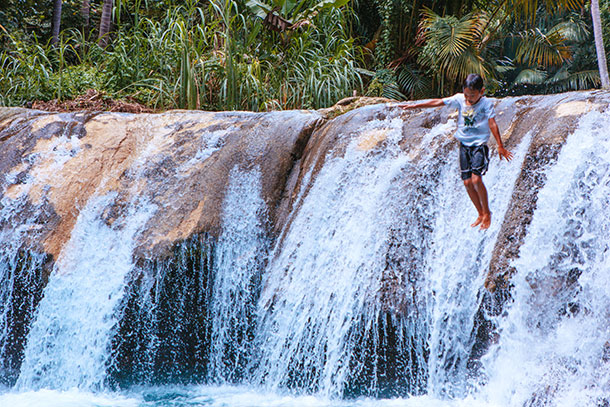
68, 342
553, 346
239, 257
321, 287
457, 267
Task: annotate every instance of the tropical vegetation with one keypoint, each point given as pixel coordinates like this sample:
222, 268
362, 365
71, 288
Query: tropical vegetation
284, 54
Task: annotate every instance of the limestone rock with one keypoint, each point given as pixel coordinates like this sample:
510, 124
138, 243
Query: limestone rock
177, 161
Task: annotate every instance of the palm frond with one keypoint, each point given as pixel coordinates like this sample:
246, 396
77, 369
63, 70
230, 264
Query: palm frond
504, 65
530, 77
391, 91
467, 62
539, 49
572, 29
413, 83
451, 35
451, 49
528, 8
564, 80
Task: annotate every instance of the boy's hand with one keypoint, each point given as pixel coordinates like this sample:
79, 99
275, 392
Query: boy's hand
429, 103
504, 153
407, 105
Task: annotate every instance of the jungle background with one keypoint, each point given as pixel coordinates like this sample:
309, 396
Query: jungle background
265, 55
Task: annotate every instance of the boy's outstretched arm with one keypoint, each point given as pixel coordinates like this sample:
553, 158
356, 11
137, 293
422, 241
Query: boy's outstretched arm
429, 103
502, 152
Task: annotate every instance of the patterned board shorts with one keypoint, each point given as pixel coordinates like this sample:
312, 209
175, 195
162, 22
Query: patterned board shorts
473, 160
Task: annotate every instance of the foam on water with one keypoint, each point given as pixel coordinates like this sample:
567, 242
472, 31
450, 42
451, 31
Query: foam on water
66, 398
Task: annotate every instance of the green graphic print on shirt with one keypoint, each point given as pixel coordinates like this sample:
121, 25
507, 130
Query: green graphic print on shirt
468, 116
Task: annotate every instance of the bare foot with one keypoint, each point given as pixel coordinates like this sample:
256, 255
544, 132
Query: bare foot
478, 221
485, 221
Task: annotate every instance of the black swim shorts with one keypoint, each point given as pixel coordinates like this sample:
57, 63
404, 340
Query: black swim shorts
473, 160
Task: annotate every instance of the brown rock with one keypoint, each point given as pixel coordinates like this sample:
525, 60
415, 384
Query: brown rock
56, 162
549, 119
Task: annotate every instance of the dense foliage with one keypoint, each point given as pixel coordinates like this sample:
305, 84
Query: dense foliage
278, 54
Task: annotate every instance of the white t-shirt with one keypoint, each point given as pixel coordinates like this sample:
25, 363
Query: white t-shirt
473, 121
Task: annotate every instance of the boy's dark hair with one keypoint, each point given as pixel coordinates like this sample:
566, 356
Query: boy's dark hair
473, 81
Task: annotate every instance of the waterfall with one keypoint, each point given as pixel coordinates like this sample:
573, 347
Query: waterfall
281, 259
457, 267
191, 317
328, 320
22, 285
22, 276
68, 342
239, 260
553, 345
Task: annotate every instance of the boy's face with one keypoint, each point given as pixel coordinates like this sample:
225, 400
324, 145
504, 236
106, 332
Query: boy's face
472, 96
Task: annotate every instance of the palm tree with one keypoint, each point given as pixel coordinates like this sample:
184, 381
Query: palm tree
599, 44
529, 8
56, 21
105, 23
452, 48
85, 11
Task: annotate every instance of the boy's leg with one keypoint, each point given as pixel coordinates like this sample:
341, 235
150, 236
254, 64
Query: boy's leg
481, 192
473, 164
466, 164
474, 197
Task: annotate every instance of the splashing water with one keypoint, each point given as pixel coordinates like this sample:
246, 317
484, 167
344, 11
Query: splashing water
457, 267
68, 342
319, 296
553, 344
239, 258
371, 290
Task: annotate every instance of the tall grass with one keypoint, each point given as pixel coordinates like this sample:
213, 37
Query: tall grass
218, 57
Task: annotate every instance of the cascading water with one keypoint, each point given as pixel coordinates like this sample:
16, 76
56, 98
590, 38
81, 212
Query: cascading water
69, 338
554, 344
23, 266
457, 267
322, 327
22, 284
192, 317
372, 287
68, 341
238, 261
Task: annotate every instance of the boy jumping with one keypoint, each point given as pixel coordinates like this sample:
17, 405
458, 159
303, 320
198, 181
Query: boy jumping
476, 120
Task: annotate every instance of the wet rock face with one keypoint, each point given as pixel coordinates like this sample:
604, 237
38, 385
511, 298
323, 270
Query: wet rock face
180, 163
549, 120
177, 161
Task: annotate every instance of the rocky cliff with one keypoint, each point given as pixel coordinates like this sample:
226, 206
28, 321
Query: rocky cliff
180, 161
364, 178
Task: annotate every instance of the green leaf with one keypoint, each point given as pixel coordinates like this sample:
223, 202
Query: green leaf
260, 9
530, 77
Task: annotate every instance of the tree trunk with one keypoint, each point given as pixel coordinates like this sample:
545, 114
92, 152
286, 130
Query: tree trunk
85, 12
56, 21
105, 23
599, 44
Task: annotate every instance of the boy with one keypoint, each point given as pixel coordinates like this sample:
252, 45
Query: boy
476, 120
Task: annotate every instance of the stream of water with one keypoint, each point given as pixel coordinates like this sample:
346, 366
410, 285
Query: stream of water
368, 298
